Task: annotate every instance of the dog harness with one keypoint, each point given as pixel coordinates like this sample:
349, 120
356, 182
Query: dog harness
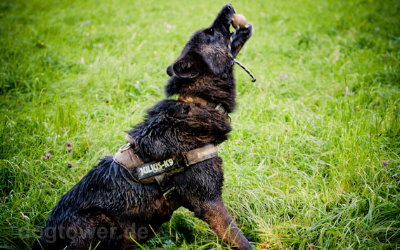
218, 107
162, 171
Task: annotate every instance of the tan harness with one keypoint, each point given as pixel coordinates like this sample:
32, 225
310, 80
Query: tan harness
188, 98
128, 158
162, 171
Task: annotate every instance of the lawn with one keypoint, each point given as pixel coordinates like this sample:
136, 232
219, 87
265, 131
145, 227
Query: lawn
313, 160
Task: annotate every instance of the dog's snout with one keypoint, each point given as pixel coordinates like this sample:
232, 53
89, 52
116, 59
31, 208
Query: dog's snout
229, 7
224, 18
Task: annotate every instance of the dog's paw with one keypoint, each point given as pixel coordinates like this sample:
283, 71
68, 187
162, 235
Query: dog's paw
247, 30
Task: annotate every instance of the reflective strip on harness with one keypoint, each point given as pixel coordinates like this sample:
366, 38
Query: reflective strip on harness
155, 168
160, 171
146, 172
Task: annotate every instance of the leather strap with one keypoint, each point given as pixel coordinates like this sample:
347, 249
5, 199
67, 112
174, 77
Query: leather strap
166, 185
200, 154
161, 171
128, 158
188, 98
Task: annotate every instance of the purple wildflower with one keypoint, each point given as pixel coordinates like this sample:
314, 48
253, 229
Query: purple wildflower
69, 144
69, 149
46, 156
385, 163
70, 164
283, 76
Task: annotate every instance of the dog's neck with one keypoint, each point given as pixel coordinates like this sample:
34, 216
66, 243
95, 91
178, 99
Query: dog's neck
188, 98
216, 91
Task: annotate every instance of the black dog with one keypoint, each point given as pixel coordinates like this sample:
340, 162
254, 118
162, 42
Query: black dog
109, 207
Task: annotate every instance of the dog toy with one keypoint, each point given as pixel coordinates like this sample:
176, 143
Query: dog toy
239, 20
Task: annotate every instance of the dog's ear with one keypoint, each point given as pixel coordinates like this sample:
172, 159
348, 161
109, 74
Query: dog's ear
187, 66
191, 64
169, 70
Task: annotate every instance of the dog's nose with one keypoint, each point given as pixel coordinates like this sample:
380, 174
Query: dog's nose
228, 6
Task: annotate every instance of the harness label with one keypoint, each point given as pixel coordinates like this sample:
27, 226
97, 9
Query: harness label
156, 168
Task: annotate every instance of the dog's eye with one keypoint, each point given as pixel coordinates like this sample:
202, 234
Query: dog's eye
210, 31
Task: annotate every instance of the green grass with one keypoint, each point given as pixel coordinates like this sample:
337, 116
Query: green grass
303, 165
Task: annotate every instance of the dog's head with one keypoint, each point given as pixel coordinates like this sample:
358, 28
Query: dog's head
205, 57
207, 49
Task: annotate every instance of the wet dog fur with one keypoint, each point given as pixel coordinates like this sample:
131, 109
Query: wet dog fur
106, 210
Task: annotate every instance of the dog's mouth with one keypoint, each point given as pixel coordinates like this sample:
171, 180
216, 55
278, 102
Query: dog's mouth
224, 19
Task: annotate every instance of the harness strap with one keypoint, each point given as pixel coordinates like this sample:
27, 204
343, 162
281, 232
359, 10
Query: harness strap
161, 171
127, 157
166, 185
199, 154
189, 98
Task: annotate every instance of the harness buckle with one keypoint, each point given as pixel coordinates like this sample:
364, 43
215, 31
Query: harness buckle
125, 147
132, 144
169, 193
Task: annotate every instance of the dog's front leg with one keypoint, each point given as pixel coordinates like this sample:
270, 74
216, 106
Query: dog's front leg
241, 38
219, 219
